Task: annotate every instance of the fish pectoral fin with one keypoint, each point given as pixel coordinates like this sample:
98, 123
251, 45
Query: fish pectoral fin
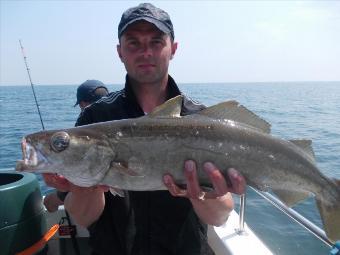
330, 216
306, 146
123, 168
290, 197
232, 110
171, 108
117, 192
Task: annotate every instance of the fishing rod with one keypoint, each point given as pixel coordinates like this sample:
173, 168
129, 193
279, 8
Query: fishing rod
72, 233
32, 86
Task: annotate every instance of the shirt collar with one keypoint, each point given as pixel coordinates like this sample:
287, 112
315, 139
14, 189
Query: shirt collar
172, 87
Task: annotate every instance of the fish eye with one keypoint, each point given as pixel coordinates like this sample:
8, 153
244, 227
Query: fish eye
60, 141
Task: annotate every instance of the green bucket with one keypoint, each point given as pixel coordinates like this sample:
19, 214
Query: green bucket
22, 219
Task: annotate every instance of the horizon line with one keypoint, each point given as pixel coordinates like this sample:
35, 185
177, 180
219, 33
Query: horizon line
181, 83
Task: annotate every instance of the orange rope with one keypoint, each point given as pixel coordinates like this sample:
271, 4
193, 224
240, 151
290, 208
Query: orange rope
41, 243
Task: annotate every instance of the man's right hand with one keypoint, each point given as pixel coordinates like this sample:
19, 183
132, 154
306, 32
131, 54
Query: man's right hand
52, 202
57, 181
85, 204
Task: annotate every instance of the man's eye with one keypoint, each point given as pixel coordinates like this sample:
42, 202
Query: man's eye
157, 42
133, 43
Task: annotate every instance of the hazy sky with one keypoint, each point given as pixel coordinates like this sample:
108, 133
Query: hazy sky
67, 42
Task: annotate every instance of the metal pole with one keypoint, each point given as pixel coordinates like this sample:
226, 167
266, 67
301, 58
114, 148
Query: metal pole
310, 226
242, 213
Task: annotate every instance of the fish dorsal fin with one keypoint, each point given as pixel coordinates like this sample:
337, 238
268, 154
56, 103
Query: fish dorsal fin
232, 110
171, 108
306, 146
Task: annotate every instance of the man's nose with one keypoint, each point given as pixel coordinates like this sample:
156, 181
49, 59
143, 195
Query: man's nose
146, 49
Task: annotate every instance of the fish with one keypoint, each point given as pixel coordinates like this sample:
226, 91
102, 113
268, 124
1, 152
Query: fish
134, 154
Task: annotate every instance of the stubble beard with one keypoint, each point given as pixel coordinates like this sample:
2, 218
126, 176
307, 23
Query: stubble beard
155, 76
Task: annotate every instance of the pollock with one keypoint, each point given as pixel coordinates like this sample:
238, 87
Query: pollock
134, 154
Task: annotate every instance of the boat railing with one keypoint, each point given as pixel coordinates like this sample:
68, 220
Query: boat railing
308, 225
242, 213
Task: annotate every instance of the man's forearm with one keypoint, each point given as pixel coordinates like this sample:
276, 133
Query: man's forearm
85, 205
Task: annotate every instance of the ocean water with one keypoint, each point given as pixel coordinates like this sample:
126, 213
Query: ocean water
309, 110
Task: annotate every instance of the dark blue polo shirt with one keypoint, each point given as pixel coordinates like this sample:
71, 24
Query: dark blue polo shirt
144, 222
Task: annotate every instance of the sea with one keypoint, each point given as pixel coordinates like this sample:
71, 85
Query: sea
308, 110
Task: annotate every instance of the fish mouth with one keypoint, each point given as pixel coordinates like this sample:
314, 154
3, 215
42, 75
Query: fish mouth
32, 159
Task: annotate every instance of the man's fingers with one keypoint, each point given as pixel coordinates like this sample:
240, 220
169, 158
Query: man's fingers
237, 181
217, 179
172, 187
48, 178
234, 182
106, 188
193, 186
56, 181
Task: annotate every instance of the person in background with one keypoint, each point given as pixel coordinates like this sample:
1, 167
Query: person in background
149, 222
88, 92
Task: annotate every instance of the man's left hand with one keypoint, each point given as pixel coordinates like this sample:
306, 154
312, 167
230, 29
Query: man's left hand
213, 207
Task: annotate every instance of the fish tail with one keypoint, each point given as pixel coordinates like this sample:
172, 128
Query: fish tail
330, 216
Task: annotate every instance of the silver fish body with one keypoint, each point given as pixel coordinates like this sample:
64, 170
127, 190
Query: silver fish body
134, 154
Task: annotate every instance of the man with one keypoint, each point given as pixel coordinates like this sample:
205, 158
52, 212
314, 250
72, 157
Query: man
87, 93
158, 222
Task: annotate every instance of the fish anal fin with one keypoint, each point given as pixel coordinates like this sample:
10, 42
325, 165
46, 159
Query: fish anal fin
123, 168
337, 182
257, 186
306, 146
330, 216
171, 108
232, 110
290, 197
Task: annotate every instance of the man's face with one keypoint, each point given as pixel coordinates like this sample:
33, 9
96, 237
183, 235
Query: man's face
83, 104
146, 52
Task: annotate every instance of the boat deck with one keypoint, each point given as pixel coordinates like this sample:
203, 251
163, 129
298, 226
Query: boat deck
225, 240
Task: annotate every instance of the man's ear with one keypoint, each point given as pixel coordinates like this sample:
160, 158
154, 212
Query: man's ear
119, 51
173, 49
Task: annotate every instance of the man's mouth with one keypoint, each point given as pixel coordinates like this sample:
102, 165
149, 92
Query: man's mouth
146, 65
